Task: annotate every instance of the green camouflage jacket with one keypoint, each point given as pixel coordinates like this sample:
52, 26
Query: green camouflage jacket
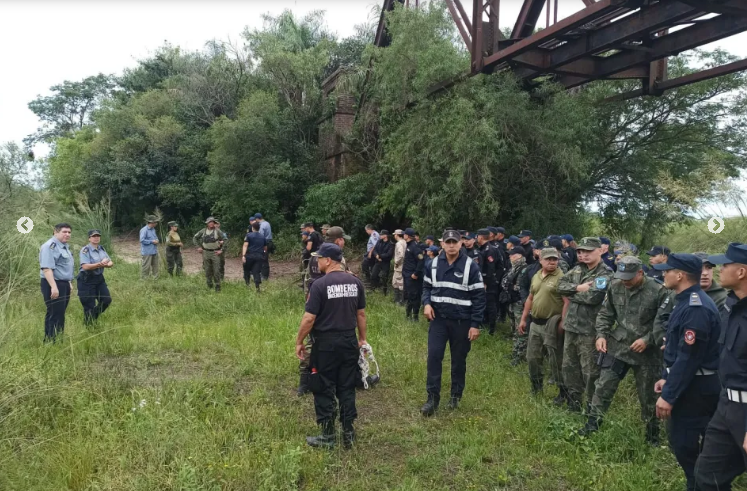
628, 315
584, 307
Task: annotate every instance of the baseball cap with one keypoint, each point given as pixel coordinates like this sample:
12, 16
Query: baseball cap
398, 232
689, 263
326, 226
659, 249
514, 240
257, 215
500, 230
469, 236
210, 219
525, 233
331, 251
335, 233
152, 219
517, 250
93, 232
305, 234
427, 237
567, 237
410, 232
605, 240
433, 248
484, 232
628, 267
451, 235
549, 252
493, 230
589, 244
735, 253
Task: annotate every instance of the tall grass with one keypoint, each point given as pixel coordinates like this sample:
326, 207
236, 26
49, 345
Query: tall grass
695, 236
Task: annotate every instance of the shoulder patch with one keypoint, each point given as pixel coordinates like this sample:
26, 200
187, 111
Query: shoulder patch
600, 282
695, 299
690, 337
420, 256
52, 245
665, 303
84, 250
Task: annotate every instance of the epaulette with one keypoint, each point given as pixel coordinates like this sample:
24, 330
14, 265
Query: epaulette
102, 248
666, 302
695, 299
52, 245
84, 250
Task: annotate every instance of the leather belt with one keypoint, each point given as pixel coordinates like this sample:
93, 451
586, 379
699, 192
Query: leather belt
540, 322
702, 371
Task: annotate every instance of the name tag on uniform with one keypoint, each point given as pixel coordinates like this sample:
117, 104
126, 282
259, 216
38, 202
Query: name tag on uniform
601, 283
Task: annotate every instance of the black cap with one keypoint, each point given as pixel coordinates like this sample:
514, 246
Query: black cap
93, 232
451, 235
331, 251
656, 250
605, 240
410, 232
517, 250
430, 237
525, 233
556, 243
384, 232
500, 230
469, 236
493, 230
514, 240
689, 263
484, 232
735, 253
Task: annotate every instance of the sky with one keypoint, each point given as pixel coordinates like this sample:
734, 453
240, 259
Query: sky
45, 42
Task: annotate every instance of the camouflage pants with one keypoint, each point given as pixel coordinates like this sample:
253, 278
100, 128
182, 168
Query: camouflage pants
520, 340
174, 259
303, 365
211, 265
580, 369
606, 387
543, 340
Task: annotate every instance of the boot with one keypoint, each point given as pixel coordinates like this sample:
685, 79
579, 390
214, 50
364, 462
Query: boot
561, 398
397, 296
303, 384
384, 291
348, 434
401, 297
430, 406
327, 438
454, 402
491, 330
652, 433
217, 288
415, 317
536, 387
592, 425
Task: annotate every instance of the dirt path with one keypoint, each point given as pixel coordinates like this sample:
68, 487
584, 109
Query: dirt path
128, 248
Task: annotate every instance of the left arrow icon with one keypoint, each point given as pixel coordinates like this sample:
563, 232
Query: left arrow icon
25, 225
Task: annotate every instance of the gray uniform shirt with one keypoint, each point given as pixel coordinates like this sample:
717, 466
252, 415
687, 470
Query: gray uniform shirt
56, 256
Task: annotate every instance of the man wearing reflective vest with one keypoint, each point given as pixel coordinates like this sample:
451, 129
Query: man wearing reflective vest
454, 299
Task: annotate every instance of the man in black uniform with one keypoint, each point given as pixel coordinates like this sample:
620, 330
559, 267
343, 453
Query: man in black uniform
382, 255
468, 243
253, 255
454, 299
607, 256
412, 274
569, 250
689, 386
491, 266
723, 457
335, 307
658, 255
526, 242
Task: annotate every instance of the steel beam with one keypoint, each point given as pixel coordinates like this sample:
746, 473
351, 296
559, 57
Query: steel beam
458, 21
719, 7
718, 71
528, 17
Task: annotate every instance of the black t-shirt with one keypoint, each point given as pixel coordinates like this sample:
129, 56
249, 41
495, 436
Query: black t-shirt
257, 243
335, 300
316, 240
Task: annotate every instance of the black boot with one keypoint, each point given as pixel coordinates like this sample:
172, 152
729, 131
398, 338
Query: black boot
348, 434
561, 398
327, 438
536, 387
592, 425
454, 402
303, 384
217, 288
652, 433
430, 406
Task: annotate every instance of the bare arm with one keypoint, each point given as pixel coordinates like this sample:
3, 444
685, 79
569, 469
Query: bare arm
361, 326
527, 308
307, 322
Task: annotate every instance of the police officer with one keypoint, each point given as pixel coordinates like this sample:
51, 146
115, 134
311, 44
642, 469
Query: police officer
412, 274
56, 266
368, 260
723, 457
491, 266
585, 286
657, 255
209, 242
382, 255
717, 292
253, 255
174, 250
569, 249
689, 386
149, 248
266, 229
335, 307
92, 290
454, 299
468, 243
525, 237
625, 337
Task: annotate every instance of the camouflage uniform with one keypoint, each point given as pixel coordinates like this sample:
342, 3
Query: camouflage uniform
580, 369
513, 295
210, 241
626, 316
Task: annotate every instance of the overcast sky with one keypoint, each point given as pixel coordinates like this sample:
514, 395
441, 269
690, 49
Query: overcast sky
47, 42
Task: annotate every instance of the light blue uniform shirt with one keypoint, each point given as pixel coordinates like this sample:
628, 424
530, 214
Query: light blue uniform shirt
147, 236
265, 229
92, 255
372, 240
56, 256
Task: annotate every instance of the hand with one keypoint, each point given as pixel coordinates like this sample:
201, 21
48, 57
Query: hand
659, 386
663, 409
361, 342
584, 287
243, 259
561, 331
744, 445
300, 351
414, 276
155, 241
602, 345
639, 346
474, 333
55, 293
220, 242
199, 249
218, 252
663, 343
522, 327
429, 313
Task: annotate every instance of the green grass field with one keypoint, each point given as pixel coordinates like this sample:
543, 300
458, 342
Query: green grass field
184, 389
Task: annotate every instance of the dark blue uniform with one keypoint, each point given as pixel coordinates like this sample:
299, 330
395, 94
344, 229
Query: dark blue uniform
92, 290
691, 364
491, 265
609, 260
413, 265
255, 257
723, 458
457, 295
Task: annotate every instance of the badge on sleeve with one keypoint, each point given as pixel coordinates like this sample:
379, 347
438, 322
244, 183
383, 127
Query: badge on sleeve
601, 283
690, 337
420, 256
